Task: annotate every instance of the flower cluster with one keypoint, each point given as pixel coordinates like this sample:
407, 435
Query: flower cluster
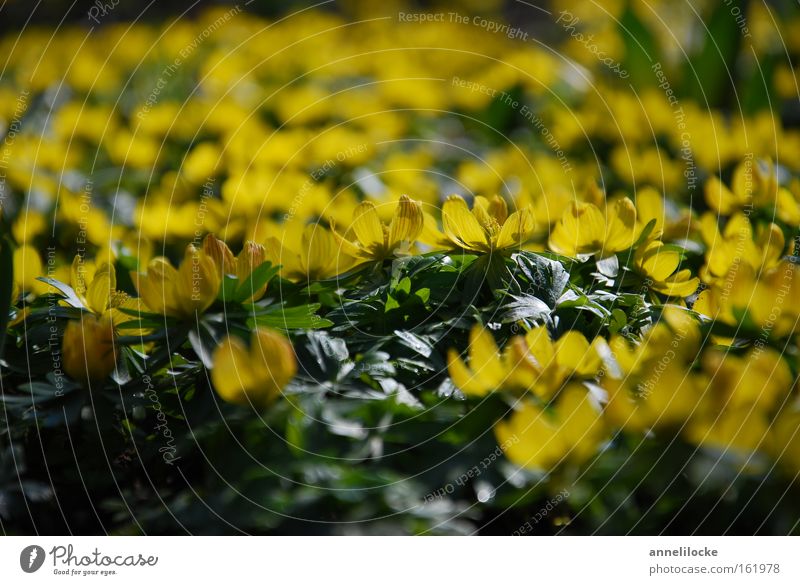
367, 253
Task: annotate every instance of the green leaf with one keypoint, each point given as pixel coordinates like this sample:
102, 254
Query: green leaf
418, 344
641, 50
203, 342
302, 317
546, 278
69, 293
253, 283
708, 74
228, 287
321, 356
525, 307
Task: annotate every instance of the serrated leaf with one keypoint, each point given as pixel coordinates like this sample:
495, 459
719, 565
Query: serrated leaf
546, 277
525, 307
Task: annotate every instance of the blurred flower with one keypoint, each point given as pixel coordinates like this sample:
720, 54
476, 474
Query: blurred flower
542, 438
584, 229
255, 376
530, 363
88, 348
489, 370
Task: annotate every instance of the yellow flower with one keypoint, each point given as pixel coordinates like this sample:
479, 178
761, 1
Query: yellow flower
652, 385
539, 438
96, 288
183, 292
658, 263
488, 370
736, 246
585, 230
725, 201
251, 257
314, 255
88, 348
486, 228
220, 253
533, 363
753, 185
255, 376
571, 356
377, 241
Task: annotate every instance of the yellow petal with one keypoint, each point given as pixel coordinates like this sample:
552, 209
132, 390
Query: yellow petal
529, 438
406, 223
232, 373
650, 206
276, 361
581, 427
484, 358
101, 288
461, 227
621, 232
719, 197
516, 230
219, 252
157, 286
773, 244
658, 262
325, 259
498, 209
197, 283
81, 274
430, 234
540, 346
581, 230
368, 227
27, 268
88, 348
681, 284
463, 377
251, 257
575, 354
